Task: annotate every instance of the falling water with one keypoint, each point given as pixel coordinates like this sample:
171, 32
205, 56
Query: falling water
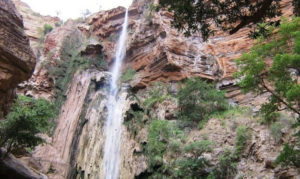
114, 117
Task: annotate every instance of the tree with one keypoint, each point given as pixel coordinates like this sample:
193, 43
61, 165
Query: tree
27, 118
277, 78
273, 66
191, 16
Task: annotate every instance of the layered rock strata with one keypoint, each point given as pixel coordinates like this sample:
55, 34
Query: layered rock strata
17, 60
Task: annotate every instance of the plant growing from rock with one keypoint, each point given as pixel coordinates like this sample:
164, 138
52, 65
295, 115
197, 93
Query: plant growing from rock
128, 75
197, 99
28, 117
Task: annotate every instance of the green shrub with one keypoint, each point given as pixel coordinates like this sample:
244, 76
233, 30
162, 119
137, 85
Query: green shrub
289, 156
191, 168
158, 137
175, 146
275, 131
283, 49
242, 137
134, 121
225, 168
47, 28
27, 118
198, 148
157, 94
128, 75
198, 99
160, 134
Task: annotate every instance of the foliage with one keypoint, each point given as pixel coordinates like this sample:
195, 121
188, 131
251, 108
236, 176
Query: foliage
198, 99
275, 131
156, 94
242, 137
289, 156
226, 167
134, 121
277, 78
47, 28
198, 148
27, 118
262, 30
191, 168
258, 76
71, 61
191, 16
159, 134
128, 75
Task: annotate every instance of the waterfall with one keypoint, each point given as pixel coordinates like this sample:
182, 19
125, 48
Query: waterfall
111, 159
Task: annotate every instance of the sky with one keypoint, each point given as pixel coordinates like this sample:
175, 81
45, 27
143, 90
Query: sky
66, 9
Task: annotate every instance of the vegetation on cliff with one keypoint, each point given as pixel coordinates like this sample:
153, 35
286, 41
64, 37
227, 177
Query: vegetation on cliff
272, 66
70, 62
28, 117
197, 99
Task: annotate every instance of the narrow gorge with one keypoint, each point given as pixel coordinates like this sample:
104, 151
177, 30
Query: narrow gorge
124, 94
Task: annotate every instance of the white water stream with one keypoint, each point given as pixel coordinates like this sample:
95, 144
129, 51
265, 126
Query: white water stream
113, 126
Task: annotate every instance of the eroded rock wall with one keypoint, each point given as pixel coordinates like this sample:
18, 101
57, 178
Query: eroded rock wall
17, 60
40, 84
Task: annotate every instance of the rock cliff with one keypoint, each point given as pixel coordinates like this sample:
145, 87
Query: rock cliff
17, 59
39, 85
156, 52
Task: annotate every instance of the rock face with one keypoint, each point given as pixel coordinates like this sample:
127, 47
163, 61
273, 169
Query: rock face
39, 85
17, 60
10, 167
161, 53
76, 146
34, 23
158, 53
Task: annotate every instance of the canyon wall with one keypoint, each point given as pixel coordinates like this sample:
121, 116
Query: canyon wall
156, 52
17, 60
39, 84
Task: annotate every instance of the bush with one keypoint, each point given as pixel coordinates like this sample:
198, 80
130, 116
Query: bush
160, 134
198, 148
289, 156
191, 168
47, 28
128, 75
275, 131
226, 167
157, 94
198, 99
27, 118
242, 137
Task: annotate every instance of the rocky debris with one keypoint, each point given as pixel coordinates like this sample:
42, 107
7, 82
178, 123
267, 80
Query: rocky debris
17, 60
11, 168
